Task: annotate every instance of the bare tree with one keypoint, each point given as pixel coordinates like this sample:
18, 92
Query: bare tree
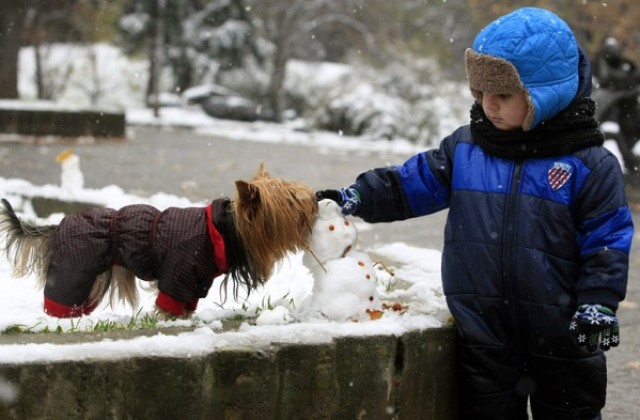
592, 21
287, 22
12, 16
187, 37
36, 23
157, 54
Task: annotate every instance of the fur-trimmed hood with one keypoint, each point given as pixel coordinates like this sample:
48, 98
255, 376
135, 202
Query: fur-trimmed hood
531, 49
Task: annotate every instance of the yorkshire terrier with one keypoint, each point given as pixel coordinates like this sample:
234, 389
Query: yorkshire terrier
102, 250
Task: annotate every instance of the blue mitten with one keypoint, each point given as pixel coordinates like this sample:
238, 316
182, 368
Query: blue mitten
347, 198
593, 324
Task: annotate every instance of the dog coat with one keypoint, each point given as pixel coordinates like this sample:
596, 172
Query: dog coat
182, 248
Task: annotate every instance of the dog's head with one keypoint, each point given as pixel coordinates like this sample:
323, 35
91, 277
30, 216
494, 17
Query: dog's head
272, 217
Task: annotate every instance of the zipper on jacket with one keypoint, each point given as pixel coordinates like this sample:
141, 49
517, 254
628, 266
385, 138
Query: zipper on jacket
509, 240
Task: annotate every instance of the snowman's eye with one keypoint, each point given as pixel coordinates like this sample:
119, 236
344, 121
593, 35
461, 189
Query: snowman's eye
331, 227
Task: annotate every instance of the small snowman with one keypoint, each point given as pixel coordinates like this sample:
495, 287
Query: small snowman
71, 178
344, 286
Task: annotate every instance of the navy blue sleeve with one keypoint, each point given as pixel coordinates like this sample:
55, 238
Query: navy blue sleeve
605, 232
420, 186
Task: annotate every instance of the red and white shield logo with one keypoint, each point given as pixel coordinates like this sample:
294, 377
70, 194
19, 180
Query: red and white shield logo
558, 175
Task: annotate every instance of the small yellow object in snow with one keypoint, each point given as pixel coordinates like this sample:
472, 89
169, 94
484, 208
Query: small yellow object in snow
71, 178
64, 155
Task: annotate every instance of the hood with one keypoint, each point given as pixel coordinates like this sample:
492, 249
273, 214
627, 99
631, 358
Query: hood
531, 49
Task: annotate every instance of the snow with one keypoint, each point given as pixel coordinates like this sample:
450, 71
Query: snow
71, 178
284, 310
284, 306
344, 279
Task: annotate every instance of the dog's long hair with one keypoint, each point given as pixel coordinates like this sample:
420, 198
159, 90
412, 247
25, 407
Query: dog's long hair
28, 246
270, 216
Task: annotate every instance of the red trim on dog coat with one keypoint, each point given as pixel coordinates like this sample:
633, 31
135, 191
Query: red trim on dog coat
175, 306
178, 307
59, 310
218, 243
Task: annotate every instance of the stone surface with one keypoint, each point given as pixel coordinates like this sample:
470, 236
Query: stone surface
65, 123
45, 206
372, 377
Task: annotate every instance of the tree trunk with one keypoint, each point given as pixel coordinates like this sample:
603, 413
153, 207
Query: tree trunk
183, 71
96, 89
156, 56
276, 82
40, 83
11, 20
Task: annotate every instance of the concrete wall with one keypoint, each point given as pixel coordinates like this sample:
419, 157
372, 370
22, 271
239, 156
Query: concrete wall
378, 377
55, 122
45, 206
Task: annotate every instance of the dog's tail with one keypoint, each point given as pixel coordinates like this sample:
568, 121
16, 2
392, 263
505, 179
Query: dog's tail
27, 246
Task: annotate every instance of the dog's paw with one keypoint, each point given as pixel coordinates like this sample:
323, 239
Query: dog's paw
164, 315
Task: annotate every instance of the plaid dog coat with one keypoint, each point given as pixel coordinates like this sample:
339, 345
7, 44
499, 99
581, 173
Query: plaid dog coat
184, 249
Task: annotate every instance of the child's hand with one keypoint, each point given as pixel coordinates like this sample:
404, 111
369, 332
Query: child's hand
593, 323
334, 195
347, 198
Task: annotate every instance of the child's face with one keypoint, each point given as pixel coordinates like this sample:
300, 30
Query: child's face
506, 112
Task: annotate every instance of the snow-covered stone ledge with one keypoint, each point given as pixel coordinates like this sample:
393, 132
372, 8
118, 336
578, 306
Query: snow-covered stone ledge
266, 356
411, 376
42, 118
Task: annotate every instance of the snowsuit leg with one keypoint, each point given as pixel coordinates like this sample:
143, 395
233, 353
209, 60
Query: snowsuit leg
495, 382
488, 377
568, 388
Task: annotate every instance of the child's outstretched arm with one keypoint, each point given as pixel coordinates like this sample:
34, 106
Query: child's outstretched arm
419, 186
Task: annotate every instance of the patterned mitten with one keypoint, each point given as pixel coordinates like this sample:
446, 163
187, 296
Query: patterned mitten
347, 198
595, 324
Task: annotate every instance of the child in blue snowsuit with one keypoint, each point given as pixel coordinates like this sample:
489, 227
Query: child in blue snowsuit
538, 232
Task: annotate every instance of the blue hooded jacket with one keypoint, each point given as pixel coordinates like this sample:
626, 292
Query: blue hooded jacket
526, 241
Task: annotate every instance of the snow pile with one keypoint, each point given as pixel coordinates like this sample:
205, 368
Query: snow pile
71, 178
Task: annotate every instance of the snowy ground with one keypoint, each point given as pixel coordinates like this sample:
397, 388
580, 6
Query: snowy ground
277, 313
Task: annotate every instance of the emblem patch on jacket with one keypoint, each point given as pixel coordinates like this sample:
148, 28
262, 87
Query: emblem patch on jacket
558, 175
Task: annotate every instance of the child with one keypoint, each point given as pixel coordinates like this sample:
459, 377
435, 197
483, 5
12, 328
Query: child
538, 233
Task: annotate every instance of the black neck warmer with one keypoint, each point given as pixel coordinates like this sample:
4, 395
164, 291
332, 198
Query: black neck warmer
572, 129
239, 267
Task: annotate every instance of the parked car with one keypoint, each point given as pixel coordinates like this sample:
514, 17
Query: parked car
220, 102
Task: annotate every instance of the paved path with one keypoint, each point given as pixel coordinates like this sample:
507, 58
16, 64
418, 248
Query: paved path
200, 168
